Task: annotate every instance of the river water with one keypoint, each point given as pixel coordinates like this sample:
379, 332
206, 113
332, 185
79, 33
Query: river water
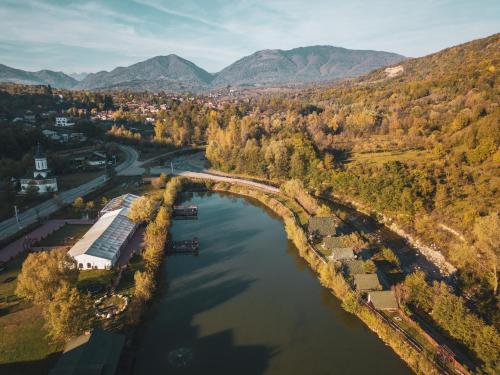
248, 304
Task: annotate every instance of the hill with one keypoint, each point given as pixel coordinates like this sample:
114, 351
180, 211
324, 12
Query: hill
41, 77
302, 65
417, 142
158, 73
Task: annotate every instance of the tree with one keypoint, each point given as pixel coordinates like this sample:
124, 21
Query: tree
144, 285
324, 210
163, 217
417, 291
390, 256
42, 273
142, 210
78, 204
487, 231
69, 313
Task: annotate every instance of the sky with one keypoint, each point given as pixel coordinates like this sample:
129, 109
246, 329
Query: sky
89, 36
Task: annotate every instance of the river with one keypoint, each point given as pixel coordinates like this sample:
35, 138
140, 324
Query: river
248, 304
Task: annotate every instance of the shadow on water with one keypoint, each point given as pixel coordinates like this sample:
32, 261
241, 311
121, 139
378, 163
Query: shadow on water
178, 346
249, 304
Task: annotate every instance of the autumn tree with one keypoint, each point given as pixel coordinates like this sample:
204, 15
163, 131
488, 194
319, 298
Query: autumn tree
78, 204
487, 231
142, 209
144, 285
69, 313
42, 274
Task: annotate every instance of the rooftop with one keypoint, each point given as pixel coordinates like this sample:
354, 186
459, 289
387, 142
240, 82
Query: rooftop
123, 201
383, 300
343, 253
324, 226
97, 354
106, 236
355, 267
367, 282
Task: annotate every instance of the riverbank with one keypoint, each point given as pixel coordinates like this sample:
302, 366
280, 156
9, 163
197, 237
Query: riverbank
416, 358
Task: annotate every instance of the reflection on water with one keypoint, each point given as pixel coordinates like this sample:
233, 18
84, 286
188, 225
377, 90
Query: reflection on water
248, 304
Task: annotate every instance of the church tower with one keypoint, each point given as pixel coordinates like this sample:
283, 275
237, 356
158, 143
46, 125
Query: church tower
41, 167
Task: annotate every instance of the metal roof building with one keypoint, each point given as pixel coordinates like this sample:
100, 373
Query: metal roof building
123, 201
100, 247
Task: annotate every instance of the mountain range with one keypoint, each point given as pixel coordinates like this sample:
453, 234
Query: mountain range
41, 77
263, 68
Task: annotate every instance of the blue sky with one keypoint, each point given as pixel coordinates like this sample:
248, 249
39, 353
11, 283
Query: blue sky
83, 35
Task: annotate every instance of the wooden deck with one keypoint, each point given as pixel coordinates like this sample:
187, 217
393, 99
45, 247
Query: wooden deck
183, 247
185, 212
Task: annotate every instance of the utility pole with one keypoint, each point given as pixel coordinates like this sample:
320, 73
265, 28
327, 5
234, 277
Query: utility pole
17, 217
172, 167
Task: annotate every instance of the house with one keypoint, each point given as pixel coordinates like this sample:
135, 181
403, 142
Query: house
29, 116
43, 180
354, 267
367, 282
63, 122
319, 227
98, 353
97, 159
343, 254
383, 300
101, 246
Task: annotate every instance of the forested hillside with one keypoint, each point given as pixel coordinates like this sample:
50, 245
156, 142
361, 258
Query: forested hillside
418, 143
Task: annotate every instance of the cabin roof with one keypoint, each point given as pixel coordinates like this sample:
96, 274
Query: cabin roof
367, 282
325, 226
383, 300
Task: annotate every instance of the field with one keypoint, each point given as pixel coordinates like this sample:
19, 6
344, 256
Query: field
66, 235
24, 346
379, 158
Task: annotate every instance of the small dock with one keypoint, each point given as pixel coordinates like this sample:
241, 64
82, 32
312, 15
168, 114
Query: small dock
185, 212
183, 247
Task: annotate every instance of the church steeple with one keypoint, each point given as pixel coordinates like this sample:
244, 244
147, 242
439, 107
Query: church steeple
41, 168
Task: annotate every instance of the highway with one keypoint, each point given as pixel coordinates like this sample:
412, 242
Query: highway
10, 226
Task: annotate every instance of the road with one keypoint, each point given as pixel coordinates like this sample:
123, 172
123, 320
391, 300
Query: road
10, 226
194, 166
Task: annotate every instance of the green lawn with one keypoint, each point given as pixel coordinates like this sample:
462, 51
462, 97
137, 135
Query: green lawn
68, 234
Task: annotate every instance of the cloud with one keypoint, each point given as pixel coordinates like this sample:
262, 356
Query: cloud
213, 33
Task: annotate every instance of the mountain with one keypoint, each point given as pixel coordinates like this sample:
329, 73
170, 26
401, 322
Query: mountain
78, 76
158, 73
42, 77
263, 68
304, 64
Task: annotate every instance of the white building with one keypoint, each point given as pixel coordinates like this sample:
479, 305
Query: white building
42, 179
101, 246
63, 122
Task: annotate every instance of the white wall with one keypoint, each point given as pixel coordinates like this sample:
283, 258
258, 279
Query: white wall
95, 262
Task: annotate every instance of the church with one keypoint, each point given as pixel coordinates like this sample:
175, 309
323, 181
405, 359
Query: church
42, 179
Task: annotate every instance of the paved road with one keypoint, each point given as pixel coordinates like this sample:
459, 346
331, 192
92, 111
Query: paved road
194, 166
9, 227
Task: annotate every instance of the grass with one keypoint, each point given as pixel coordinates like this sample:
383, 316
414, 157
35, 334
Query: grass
93, 278
379, 158
68, 234
23, 338
127, 282
72, 180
